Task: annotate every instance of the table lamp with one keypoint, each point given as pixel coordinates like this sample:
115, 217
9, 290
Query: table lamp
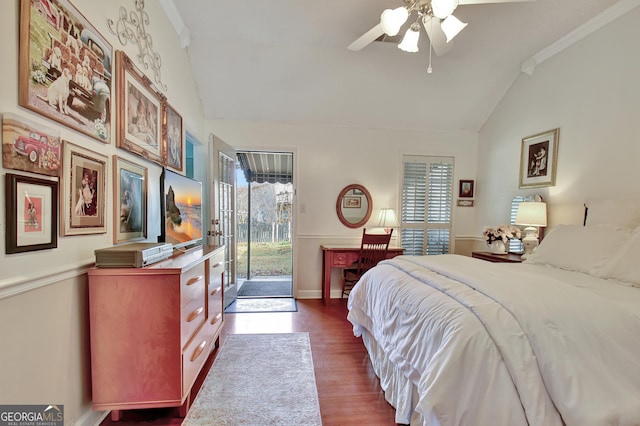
531, 214
387, 219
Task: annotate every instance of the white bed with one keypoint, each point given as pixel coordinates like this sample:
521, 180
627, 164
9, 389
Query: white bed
552, 341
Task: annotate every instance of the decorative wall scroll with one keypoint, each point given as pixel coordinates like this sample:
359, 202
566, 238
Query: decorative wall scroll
130, 27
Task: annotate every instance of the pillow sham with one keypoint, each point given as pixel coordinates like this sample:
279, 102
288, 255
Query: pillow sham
621, 212
623, 265
578, 248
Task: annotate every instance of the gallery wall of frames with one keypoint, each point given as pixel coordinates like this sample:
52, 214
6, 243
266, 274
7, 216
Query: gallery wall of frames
71, 75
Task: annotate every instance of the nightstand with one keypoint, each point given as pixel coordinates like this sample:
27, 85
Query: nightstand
497, 258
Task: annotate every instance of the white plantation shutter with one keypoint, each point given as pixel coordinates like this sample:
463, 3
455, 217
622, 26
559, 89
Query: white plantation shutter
427, 194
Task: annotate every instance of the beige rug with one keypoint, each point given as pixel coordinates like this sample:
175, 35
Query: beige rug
259, 380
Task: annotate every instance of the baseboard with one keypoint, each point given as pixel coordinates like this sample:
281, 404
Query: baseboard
92, 418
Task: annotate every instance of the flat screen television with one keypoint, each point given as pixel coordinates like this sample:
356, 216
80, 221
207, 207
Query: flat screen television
181, 202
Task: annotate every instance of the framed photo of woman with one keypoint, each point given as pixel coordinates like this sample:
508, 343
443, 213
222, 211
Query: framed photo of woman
83, 193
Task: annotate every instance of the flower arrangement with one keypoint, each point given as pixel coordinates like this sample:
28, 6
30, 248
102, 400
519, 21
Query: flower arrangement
501, 232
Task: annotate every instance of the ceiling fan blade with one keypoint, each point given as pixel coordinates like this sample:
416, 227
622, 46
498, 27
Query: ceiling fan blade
460, 2
438, 38
366, 38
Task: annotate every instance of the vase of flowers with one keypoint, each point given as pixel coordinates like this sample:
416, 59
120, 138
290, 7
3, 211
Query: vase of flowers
497, 238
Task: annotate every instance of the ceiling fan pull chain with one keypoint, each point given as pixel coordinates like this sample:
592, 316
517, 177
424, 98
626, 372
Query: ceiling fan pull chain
429, 69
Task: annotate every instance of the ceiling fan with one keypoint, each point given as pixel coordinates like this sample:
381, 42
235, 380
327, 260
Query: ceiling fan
436, 16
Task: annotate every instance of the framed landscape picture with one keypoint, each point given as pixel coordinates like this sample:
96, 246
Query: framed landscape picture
129, 201
538, 159
65, 67
174, 140
83, 193
31, 214
140, 111
29, 146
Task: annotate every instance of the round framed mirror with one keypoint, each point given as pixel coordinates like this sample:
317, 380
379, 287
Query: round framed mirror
354, 206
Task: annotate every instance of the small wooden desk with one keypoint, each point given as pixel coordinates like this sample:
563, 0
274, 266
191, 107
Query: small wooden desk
341, 256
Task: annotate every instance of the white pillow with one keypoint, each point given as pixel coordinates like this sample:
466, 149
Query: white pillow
621, 212
624, 263
578, 248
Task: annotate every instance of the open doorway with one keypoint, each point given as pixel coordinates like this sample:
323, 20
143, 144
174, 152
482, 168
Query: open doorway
264, 215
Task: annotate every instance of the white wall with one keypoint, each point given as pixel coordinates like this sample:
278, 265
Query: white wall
326, 159
591, 92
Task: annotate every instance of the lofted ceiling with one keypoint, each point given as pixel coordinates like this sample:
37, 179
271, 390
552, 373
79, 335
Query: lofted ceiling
287, 60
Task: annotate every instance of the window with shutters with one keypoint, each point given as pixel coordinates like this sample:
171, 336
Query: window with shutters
427, 196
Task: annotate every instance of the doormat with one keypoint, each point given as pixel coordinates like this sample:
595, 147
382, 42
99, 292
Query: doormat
265, 288
259, 379
269, 304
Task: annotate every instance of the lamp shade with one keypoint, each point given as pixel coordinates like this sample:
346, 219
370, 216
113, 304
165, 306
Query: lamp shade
451, 26
533, 213
443, 8
392, 19
410, 41
387, 218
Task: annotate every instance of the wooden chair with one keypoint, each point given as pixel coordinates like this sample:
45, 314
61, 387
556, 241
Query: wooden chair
373, 249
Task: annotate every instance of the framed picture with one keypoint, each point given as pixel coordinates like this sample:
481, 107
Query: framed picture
65, 67
129, 201
83, 193
466, 189
29, 146
173, 140
140, 111
351, 202
538, 159
465, 203
31, 214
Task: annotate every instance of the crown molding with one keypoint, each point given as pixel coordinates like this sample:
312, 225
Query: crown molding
180, 28
600, 20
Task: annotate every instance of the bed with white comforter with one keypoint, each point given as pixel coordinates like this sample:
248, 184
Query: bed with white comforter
552, 341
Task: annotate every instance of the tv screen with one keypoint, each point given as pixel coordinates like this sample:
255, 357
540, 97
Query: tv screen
182, 206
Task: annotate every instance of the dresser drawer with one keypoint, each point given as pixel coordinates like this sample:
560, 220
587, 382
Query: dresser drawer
193, 315
194, 356
192, 284
340, 259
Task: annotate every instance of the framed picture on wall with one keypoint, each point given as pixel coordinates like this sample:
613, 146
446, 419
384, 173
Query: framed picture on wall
466, 189
538, 159
83, 193
140, 112
174, 140
29, 146
351, 202
129, 201
31, 214
65, 67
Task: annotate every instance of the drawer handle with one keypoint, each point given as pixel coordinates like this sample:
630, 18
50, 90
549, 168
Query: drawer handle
198, 350
216, 290
195, 279
195, 314
216, 318
217, 264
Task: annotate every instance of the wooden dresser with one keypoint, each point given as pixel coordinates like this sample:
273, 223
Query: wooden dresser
153, 328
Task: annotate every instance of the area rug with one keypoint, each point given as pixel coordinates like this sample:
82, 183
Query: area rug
253, 288
269, 304
259, 380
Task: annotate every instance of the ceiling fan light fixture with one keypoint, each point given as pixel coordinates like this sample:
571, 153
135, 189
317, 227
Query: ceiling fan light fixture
451, 26
409, 42
443, 8
393, 19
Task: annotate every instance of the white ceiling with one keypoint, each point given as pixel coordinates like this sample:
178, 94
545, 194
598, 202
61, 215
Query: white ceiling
286, 61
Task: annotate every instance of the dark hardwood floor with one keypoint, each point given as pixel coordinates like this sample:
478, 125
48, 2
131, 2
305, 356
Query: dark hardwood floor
348, 389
